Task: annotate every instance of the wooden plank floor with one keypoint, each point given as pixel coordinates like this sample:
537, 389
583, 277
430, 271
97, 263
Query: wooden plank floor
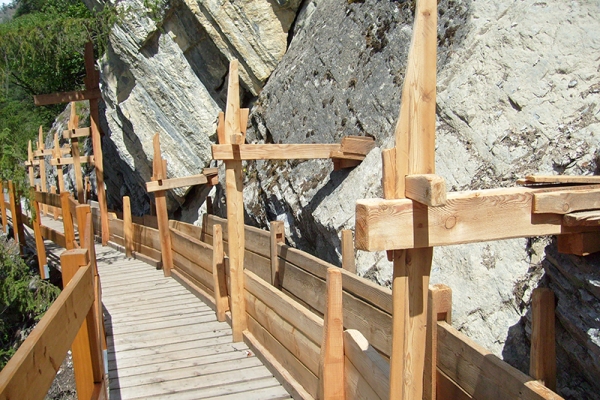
163, 342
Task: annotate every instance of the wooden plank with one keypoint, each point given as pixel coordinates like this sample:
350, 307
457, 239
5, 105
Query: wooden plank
76, 133
66, 97
348, 257
305, 321
127, 226
582, 218
241, 152
44, 186
218, 270
277, 236
581, 244
467, 217
331, 360
30, 372
235, 207
47, 198
360, 145
586, 179
448, 390
193, 249
373, 368
173, 183
60, 161
54, 236
188, 229
542, 365
146, 236
480, 373
298, 370
159, 172
17, 216
428, 189
357, 387
39, 240
221, 128
439, 309
565, 202
305, 350
30, 164
199, 275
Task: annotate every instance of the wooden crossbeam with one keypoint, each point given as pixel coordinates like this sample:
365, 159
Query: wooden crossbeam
566, 201
558, 179
428, 189
582, 218
77, 132
273, 151
66, 97
70, 160
174, 183
467, 217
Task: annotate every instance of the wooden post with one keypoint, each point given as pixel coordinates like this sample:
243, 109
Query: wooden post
74, 124
86, 348
348, 260
92, 82
439, 309
277, 236
235, 207
30, 166
543, 345
56, 153
127, 227
69, 229
42, 159
331, 365
39, 240
3, 208
219, 279
54, 209
414, 154
162, 215
17, 220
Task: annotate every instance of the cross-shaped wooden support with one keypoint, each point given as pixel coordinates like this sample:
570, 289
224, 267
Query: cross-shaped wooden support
231, 133
92, 93
159, 186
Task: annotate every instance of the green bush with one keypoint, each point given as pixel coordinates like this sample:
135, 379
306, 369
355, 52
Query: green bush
24, 298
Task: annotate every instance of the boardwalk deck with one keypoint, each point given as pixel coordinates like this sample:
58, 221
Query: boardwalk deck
163, 342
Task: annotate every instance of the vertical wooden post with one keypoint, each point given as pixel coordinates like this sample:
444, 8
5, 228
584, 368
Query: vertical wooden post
42, 159
69, 229
30, 166
59, 168
159, 173
39, 240
543, 346
3, 208
54, 209
235, 207
92, 82
348, 260
74, 124
219, 279
414, 154
127, 227
331, 366
277, 236
439, 309
17, 218
86, 349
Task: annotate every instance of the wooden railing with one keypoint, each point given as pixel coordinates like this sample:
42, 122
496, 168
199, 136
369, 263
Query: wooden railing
73, 321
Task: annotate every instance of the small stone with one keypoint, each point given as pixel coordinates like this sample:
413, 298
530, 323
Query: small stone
572, 84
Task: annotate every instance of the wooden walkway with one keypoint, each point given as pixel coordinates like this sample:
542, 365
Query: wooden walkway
164, 342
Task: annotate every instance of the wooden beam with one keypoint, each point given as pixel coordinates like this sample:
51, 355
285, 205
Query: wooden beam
542, 365
47, 198
272, 151
30, 164
73, 123
581, 244
439, 309
577, 179
44, 186
566, 201
348, 257
160, 172
235, 207
354, 148
277, 229
331, 365
218, 270
127, 227
60, 161
59, 170
582, 218
368, 362
39, 240
426, 189
467, 217
66, 97
77, 133
173, 183
68, 228
15, 212
388, 178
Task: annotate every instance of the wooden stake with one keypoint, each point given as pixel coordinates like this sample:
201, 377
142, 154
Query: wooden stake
67, 221
73, 124
159, 171
17, 220
348, 258
3, 208
39, 240
277, 236
30, 167
59, 169
543, 345
219, 279
127, 227
42, 147
92, 83
415, 154
235, 207
439, 309
331, 365
54, 209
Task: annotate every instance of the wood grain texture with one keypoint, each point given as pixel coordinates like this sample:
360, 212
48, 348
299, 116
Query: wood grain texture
542, 365
273, 151
174, 183
567, 201
348, 257
373, 368
427, 189
580, 244
66, 97
127, 226
582, 218
218, 271
587, 179
277, 236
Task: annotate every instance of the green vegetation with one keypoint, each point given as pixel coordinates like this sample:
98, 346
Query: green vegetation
24, 298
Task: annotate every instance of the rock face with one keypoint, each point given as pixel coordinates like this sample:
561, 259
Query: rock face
518, 93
